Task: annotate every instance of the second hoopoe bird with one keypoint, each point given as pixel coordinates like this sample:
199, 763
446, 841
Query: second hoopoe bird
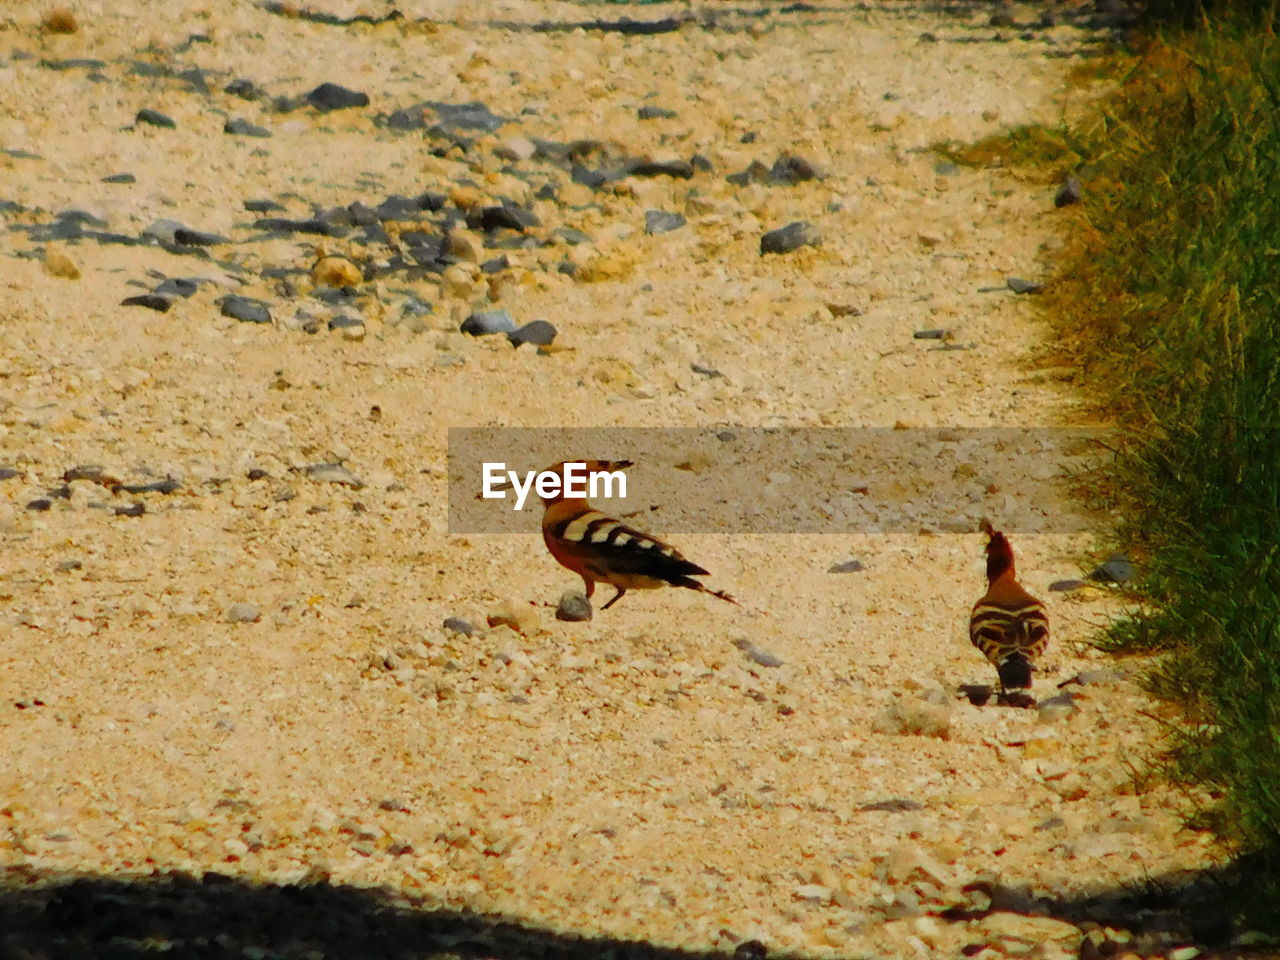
1008, 624
601, 549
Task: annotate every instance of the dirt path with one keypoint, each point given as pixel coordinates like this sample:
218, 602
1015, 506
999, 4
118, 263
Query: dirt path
636, 777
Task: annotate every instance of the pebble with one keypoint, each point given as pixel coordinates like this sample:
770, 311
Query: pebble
244, 309
332, 96
163, 230
333, 473
485, 322
790, 170
120, 178
656, 113
521, 618
914, 717
152, 301
791, 237
459, 625
1071, 192
243, 128
574, 607
1056, 709
39, 505
336, 272
1062, 586
135, 509
507, 216
263, 206
244, 88
352, 328
680, 169
58, 264
155, 118
540, 333
661, 221
892, 805
939, 333
756, 655
1019, 285
1184, 953
847, 566
176, 287
1117, 569
197, 238
243, 613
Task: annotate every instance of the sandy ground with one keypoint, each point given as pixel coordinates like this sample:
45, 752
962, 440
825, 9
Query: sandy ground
636, 777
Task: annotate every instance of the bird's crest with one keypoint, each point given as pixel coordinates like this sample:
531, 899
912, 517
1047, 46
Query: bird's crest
999, 553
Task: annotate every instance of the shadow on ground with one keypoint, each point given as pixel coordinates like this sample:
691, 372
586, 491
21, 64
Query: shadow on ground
53, 916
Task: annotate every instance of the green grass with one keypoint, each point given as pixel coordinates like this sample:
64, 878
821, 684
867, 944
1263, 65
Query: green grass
1171, 305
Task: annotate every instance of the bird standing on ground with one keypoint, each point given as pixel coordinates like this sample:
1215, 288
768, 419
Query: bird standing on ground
601, 549
1008, 624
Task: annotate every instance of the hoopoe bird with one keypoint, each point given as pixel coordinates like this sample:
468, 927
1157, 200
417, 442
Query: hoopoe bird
601, 549
1008, 624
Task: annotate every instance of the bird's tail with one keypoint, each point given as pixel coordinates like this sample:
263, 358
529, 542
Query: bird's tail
1015, 672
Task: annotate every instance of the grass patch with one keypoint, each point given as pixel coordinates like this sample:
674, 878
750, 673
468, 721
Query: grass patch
1170, 303
1030, 145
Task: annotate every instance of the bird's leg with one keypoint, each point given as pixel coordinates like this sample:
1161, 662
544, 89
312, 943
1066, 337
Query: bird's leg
590, 585
616, 597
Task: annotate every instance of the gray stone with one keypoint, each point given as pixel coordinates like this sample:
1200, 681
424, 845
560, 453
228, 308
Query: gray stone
459, 625
1117, 569
1019, 285
661, 221
1062, 586
540, 333
154, 118
1056, 709
244, 309
331, 96
791, 237
163, 230
333, 473
1071, 192
243, 128
243, 613
485, 322
848, 566
574, 607
756, 655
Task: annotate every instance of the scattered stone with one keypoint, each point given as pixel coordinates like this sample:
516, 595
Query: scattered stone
894, 805
338, 272
843, 309
508, 216
58, 264
8, 473
939, 333
704, 371
120, 178
135, 509
847, 566
244, 88
163, 230
521, 618
1117, 569
40, 505
331, 96
243, 128
1002, 18
197, 238
155, 118
1069, 193
914, 717
333, 473
243, 613
1184, 953
540, 333
263, 206
660, 221
459, 625
1056, 709
244, 309
1018, 285
756, 655
656, 113
790, 170
1063, 586
945, 168
176, 287
574, 607
680, 169
791, 237
152, 301
1088, 678
352, 328
485, 322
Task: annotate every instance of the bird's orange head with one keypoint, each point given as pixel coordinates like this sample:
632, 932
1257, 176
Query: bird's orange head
999, 554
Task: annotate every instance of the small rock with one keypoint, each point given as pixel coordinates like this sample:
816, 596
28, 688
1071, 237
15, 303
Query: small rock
243, 88
1018, 285
521, 618
337, 272
660, 221
244, 309
1069, 193
163, 230
197, 238
939, 333
459, 625
756, 655
352, 328
680, 169
540, 333
791, 237
333, 473
243, 128
243, 613
847, 566
790, 170
1117, 569
893, 805
331, 96
1063, 586
1002, 18
485, 322
152, 301
1088, 678
574, 607
120, 178
656, 113
135, 509
945, 168
58, 264
176, 287
508, 216
914, 717
40, 505
263, 206
1184, 953
1056, 709
155, 118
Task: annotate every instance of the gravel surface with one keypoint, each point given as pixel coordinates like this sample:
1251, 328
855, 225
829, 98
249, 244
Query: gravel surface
233, 722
